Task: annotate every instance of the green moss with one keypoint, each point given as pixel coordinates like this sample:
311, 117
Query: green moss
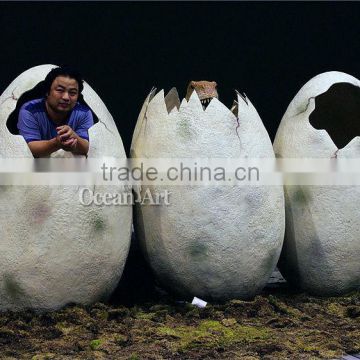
100, 314
118, 313
134, 357
46, 356
329, 354
314, 342
211, 333
159, 316
121, 339
64, 328
353, 312
335, 309
74, 315
144, 315
6, 333
269, 326
236, 303
281, 307
158, 307
95, 344
194, 312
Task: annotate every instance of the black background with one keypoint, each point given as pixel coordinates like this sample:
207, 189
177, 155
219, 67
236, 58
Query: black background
266, 49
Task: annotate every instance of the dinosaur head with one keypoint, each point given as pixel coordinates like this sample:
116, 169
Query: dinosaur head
206, 91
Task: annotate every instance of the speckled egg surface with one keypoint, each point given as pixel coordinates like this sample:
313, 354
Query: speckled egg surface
212, 242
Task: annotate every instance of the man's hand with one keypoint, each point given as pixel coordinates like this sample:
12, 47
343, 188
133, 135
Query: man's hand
65, 132
69, 140
69, 145
66, 139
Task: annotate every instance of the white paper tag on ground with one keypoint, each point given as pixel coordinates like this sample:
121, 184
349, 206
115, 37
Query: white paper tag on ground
198, 302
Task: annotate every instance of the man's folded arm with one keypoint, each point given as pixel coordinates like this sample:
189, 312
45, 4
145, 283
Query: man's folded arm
81, 147
42, 148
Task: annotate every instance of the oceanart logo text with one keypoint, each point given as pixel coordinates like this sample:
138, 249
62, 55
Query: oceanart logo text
142, 196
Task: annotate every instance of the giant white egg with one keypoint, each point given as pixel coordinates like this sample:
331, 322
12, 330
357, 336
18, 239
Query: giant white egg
215, 242
53, 249
322, 242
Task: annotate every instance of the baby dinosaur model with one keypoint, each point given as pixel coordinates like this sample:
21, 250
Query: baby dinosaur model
206, 91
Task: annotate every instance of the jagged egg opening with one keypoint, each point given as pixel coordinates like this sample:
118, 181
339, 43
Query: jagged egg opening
321, 120
173, 103
165, 119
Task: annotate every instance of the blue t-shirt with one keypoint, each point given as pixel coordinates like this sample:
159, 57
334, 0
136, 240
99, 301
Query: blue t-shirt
34, 123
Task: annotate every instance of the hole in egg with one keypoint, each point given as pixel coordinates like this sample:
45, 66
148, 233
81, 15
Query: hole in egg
35, 93
338, 112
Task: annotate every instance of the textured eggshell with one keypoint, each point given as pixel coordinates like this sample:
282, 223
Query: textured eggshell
54, 250
213, 242
322, 242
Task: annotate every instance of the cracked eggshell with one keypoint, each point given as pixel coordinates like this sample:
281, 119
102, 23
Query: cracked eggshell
54, 250
321, 248
213, 242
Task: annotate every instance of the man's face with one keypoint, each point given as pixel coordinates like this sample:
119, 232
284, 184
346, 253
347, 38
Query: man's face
63, 94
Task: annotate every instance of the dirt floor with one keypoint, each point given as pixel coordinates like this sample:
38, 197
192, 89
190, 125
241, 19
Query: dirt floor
278, 324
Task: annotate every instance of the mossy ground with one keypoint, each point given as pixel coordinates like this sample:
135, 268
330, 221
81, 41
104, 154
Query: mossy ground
278, 324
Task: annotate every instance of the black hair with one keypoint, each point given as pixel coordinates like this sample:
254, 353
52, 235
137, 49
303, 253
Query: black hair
64, 70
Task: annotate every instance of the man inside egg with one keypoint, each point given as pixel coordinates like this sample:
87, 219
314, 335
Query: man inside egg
58, 120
